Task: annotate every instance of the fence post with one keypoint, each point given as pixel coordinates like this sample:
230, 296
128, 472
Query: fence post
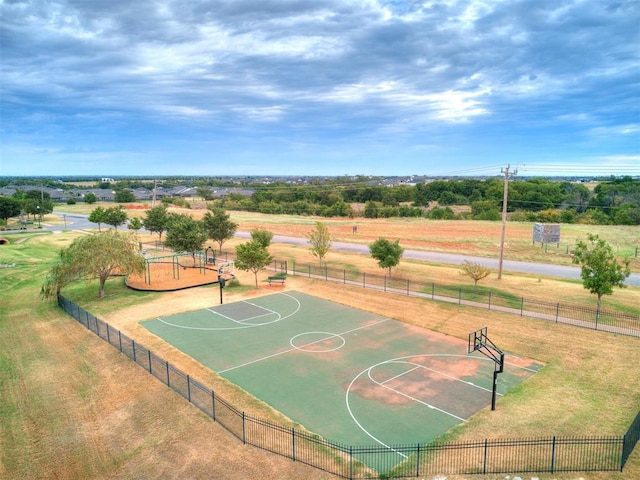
149, 357
385, 283
364, 281
133, 347
309, 268
166, 362
557, 311
108, 336
350, 462
433, 290
553, 454
418, 461
293, 444
326, 273
344, 276
408, 288
244, 429
188, 389
486, 452
459, 295
120, 339
213, 405
489, 299
521, 305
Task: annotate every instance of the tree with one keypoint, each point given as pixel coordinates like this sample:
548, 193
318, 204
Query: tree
90, 198
9, 207
184, 234
252, 256
218, 226
155, 220
124, 196
372, 209
320, 240
262, 237
387, 253
100, 256
135, 224
115, 216
475, 271
37, 202
205, 193
98, 216
600, 271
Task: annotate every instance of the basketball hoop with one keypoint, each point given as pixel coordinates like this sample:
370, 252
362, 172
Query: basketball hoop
478, 341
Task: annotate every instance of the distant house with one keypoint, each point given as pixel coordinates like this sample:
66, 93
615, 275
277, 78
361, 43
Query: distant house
107, 180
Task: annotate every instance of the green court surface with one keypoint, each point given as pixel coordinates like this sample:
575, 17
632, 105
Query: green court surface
349, 375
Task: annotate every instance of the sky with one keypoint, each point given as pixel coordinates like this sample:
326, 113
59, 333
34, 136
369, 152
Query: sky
319, 87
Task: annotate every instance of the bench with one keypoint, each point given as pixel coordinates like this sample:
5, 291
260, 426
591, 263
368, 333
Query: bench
277, 279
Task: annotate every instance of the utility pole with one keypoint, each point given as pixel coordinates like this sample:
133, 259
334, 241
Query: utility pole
507, 174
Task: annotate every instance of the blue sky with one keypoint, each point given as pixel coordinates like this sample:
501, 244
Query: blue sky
319, 87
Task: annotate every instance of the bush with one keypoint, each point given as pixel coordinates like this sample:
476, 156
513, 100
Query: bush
442, 213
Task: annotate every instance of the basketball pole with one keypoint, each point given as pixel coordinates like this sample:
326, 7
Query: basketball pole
496, 371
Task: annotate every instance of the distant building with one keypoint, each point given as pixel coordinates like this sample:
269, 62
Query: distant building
107, 180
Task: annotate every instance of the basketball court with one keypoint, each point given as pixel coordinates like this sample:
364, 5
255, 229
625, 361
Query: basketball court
349, 375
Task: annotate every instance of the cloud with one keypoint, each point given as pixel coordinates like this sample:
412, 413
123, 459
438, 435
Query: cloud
321, 70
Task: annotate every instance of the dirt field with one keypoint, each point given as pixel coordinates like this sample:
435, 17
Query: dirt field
161, 277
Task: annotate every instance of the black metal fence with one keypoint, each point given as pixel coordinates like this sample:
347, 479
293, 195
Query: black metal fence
577, 315
553, 454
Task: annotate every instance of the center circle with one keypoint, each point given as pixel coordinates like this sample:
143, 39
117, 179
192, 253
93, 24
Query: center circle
317, 342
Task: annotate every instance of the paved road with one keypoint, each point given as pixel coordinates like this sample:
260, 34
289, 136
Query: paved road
456, 259
78, 222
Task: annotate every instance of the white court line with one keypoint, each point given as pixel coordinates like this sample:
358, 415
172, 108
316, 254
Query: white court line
417, 365
269, 312
280, 317
433, 407
399, 375
300, 346
368, 370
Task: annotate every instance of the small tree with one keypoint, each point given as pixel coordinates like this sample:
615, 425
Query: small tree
124, 196
262, 237
252, 256
115, 216
320, 240
90, 198
219, 226
98, 216
135, 224
600, 271
387, 253
9, 207
184, 234
94, 256
475, 271
155, 220
205, 193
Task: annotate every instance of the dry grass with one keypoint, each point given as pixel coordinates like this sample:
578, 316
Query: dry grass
73, 407
76, 408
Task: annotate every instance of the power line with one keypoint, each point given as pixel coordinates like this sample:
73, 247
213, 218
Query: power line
506, 173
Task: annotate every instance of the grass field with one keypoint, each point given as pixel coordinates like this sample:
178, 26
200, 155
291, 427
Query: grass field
72, 407
478, 238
